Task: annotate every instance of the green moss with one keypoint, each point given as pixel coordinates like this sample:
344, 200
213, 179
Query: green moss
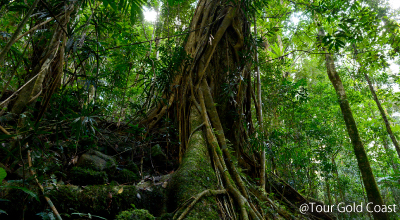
132, 167
158, 155
98, 161
135, 214
156, 151
125, 176
83, 176
194, 176
93, 199
219, 152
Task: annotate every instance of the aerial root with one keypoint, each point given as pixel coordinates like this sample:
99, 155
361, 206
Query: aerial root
261, 195
242, 200
196, 198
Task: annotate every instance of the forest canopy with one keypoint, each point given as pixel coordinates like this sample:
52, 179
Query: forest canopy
173, 109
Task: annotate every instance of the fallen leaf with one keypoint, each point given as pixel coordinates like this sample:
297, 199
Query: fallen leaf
120, 190
164, 185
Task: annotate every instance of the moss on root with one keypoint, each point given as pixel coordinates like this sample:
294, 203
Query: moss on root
194, 176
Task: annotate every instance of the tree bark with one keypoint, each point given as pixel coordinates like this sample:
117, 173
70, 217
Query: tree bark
212, 84
383, 114
53, 57
195, 174
385, 145
368, 178
259, 114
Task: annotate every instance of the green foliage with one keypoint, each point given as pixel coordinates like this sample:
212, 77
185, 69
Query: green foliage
3, 175
118, 66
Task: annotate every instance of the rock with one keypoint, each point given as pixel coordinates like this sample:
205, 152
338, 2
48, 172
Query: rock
98, 161
82, 176
158, 155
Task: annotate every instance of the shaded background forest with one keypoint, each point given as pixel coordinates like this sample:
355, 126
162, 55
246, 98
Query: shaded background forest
107, 64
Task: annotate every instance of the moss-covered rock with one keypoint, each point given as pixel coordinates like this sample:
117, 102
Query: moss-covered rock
132, 167
101, 200
157, 154
135, 214
98, 161
125, 176
82, 176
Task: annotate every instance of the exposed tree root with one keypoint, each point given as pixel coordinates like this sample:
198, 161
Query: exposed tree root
219, 160
196, 198
262, 196
199, 88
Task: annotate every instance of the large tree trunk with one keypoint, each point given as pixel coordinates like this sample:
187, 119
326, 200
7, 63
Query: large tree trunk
195, 174
47, 66
211, 94
211, 103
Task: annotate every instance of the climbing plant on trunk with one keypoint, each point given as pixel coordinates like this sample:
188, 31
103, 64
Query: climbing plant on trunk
213, 86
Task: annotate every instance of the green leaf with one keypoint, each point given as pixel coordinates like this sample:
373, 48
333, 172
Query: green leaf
111, 3
27, 191
3, 174
340, 43
5, 136
2, 211
134, 9
330, 47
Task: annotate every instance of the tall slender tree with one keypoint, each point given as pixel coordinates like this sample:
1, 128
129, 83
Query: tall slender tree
368, 178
